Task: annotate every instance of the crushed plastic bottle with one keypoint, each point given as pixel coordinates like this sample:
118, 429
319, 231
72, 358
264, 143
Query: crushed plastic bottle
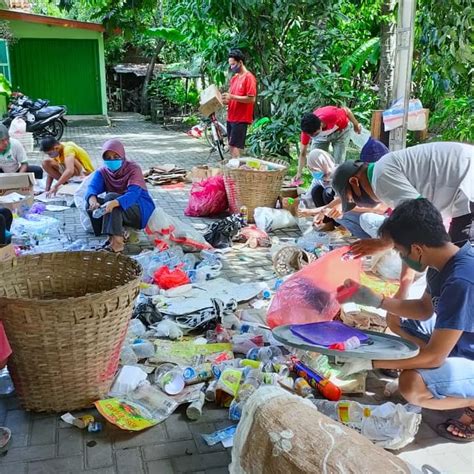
345, 411
99, 212
6, 383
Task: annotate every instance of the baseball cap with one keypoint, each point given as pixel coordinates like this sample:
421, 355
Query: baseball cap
340, 181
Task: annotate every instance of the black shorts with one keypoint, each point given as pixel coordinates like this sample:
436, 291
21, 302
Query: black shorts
461, 229
236, 133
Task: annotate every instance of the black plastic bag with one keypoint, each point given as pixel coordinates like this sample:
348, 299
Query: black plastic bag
220, 233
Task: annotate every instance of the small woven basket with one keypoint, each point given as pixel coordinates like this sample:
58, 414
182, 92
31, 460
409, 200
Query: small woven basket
66, 315
252, 188
290, 259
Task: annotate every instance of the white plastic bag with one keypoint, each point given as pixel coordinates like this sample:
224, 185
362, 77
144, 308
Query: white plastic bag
360, 139
268, 219
17, 127
82, 205
393, 117
164, 230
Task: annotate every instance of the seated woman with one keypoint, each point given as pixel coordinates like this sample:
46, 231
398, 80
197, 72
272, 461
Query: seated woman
321, 166
127, 201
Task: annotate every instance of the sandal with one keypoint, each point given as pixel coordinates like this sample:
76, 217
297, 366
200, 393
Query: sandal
466, 430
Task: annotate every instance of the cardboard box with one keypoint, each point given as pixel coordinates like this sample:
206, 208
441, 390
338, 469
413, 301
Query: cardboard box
211, 100
201, 172
21, 183
6, 253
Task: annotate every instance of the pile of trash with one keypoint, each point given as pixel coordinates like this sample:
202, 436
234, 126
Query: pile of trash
253, 164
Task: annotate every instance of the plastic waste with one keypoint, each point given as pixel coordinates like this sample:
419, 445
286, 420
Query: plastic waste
391, 388
309, 295
303, 388
79, 244
166, 278
128, 356
360, 139
218, 436
351, 343
210, 394
243, 343
143, 348
201, 373
311, 240
388, 425
235, 410
169, 377
36, 226
99, 212
136, 328
268, 219
167, 328
6, 383
127, 380
194, 410
207, 198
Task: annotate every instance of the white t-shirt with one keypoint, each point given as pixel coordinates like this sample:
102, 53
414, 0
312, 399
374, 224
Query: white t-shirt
442, 172
12, 158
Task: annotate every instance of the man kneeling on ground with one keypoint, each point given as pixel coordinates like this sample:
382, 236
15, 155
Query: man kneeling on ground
441, 376
64, 161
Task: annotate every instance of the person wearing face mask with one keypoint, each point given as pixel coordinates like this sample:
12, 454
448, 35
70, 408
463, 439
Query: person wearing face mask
441, 172
321, 166
64, 161
240, 101
127, 201
441, 376
13, 158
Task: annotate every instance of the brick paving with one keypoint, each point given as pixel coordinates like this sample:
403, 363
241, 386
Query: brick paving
43, 444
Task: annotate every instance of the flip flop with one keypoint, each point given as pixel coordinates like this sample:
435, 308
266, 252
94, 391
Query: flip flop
442, 430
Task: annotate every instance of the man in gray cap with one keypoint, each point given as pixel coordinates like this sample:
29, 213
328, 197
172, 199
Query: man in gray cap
441, 172
13, 157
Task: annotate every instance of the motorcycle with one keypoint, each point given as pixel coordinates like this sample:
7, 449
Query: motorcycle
41, 119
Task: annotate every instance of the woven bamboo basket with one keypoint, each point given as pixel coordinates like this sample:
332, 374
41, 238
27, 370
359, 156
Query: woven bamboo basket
253, 188
66, 315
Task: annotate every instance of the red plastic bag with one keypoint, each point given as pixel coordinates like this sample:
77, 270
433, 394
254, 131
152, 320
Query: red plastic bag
166, 278
309, 295
207, 198
5, 349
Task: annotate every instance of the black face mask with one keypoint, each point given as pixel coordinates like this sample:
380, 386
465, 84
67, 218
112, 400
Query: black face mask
364, 200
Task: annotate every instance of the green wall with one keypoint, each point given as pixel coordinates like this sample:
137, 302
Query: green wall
23, 29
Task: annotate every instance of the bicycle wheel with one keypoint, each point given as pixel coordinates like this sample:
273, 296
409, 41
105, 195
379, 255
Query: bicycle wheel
208, 135
218, 139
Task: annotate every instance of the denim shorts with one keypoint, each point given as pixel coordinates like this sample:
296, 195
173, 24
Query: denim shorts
455, 378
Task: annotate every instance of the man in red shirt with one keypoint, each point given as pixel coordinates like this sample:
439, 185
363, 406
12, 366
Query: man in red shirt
325, 126
240, 101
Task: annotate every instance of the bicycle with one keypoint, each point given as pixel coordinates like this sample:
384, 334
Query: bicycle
216, 135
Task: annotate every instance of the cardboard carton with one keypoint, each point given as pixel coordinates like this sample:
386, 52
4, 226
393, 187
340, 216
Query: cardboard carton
211, 100
20, 183
6, 253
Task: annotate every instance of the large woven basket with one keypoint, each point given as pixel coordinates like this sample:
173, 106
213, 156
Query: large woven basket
66, 316
253, 188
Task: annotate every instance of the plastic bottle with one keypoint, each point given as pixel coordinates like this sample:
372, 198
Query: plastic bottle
235, 410
194, 410
6, 384
244, 214
303, 388
210, 394
346, 411
348, 345
99, 212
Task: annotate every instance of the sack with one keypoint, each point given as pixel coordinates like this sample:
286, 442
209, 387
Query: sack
393, 117
17, 127
309, 295
166, 278
221, 233
268, 219
207, 198
164, 230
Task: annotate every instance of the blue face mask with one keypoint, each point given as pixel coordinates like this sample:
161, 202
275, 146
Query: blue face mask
318, 175
113, 165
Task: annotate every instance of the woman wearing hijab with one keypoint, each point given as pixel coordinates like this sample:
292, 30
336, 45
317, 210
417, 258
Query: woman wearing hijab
126, 202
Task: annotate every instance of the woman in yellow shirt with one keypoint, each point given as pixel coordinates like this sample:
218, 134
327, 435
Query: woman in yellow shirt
64, 161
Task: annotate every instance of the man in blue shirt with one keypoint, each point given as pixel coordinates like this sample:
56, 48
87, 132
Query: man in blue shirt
441, 376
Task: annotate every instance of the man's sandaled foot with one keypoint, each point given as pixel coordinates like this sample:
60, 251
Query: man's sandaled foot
458, 430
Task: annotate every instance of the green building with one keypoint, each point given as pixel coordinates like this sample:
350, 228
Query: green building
57, 59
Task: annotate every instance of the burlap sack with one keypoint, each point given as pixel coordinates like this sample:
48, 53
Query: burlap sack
283, 433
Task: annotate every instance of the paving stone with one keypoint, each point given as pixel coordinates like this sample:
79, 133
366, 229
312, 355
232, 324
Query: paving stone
43, 431
99, 455
168, 450
129, 461
218, 470
160, 467
18, 421
177, 427
70, 442
31, 453
201, 462
58, 465
16, 468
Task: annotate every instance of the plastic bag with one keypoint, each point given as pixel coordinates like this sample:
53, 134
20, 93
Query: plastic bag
17, 127
308, 296
82, 205
268, 219
207, 198
393, 117
166, 278
360, 139
221, 233
164, 230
